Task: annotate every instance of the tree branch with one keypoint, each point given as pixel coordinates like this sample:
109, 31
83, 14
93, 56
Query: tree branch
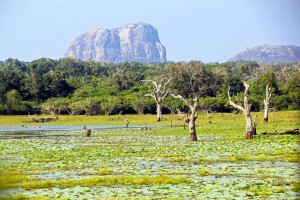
234, 104
157, 93
153, 83
183, 100
150, 95
246, 88
168, 81
268, 92
165, 95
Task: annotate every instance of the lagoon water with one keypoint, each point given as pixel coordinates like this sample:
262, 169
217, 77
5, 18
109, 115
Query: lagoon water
55, 128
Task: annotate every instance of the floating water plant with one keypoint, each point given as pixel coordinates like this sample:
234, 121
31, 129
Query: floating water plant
104, 171
280, 190
204, 172
233, 159
296, 187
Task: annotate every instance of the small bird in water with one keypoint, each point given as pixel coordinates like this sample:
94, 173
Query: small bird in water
84, 127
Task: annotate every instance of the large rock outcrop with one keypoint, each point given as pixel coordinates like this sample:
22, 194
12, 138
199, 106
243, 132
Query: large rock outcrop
269, 53
131, 42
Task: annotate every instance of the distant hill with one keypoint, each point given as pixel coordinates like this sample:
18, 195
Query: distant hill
269, 53
131, 42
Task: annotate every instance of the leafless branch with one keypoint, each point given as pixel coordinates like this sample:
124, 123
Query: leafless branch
232, 103
183, 100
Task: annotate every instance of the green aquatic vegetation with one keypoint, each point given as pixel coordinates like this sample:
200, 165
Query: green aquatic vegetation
177, 172
260, 191
295, 187
104, 171
280, 190
46, 160
260, 170
36, 184
263, 158
265, 192
207, 160
281, 183
105, 181
204, 172
15, 197
233, 159
152, 163
295, 158
181, 160
8, 179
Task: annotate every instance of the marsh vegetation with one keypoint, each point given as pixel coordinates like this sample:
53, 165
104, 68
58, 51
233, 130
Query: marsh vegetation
140, 163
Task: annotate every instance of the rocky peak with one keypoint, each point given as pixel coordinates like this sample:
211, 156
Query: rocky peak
270, 53
131, 42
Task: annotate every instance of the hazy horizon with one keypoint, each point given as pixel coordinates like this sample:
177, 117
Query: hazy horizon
207, 31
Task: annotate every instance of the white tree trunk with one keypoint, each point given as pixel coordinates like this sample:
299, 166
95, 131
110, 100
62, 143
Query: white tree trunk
246, 110
266, 112
192, 126
267, 103
249, 127
158, 111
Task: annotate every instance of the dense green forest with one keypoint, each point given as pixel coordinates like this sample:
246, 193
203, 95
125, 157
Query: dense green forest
69, 86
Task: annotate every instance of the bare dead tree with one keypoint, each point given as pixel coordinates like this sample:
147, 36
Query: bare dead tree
194, 114
255, 122
126, 122
267, 103
245, 109
159, 93
190, 81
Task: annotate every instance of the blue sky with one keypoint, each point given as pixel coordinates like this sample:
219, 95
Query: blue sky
204, 30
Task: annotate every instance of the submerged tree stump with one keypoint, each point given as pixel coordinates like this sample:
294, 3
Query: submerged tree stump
255, 122
88, 132
249, 135
193, 137
254, 130
126, 123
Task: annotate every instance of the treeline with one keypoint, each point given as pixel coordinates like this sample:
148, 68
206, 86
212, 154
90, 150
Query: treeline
70, 86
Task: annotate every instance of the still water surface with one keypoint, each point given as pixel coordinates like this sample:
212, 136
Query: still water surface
56, 128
